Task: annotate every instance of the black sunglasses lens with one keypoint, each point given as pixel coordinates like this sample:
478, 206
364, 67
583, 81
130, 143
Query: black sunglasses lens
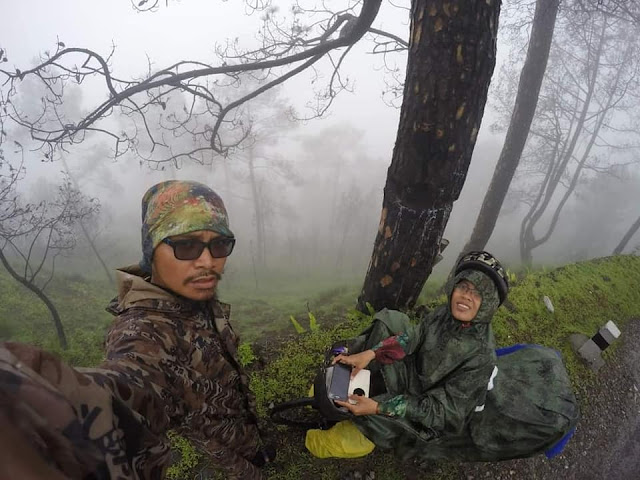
188, 250
221, 248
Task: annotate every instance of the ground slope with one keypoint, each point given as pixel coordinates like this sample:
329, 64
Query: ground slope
585, 296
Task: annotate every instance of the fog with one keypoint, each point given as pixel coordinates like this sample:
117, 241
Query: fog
317, 184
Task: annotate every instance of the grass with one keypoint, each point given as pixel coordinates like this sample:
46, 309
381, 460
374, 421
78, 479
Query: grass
266, 310
585, 296
282, 363
81, 305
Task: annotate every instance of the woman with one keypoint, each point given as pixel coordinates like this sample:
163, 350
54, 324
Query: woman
439, 391
429, 378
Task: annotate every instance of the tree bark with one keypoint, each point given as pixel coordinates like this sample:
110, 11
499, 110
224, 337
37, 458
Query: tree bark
451, 59
627, 236
62, 338
531, 77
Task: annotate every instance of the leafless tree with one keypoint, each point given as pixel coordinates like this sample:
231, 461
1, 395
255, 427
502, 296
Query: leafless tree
626, 10
209, 118
33, 236
586, 119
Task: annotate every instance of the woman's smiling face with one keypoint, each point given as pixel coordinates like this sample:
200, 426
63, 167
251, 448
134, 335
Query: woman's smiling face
465, 301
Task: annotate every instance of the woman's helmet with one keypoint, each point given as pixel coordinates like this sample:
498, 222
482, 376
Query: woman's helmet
489, 265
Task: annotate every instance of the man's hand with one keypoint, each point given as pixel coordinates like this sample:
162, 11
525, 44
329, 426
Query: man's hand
358, 360
362, 406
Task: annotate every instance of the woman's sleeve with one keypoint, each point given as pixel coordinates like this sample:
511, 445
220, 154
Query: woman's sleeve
395, 348
446, 407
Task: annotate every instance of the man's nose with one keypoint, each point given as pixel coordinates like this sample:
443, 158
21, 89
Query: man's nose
205, 258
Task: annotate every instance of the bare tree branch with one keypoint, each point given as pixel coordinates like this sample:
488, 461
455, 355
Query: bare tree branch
284, 54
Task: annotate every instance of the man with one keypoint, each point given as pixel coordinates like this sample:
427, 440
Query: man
171, 363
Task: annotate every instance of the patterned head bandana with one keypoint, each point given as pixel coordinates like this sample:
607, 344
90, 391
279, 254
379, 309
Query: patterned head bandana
486, 287
177, 207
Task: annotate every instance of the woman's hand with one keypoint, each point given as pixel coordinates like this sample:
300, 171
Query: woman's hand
362, 405
358, 360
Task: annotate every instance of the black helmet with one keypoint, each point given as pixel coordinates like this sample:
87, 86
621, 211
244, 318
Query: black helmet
488, 264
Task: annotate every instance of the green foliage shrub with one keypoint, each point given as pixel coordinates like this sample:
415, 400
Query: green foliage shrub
188, 458
296, 325
245, 354
291, 373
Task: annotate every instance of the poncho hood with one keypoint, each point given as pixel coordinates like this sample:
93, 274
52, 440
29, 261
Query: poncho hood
486, 287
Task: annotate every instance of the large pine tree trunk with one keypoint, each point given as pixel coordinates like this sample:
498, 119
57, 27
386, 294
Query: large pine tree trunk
451, 59
525, 106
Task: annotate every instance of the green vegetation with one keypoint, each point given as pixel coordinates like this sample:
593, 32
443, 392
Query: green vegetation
268, 309
81, 304
188, 458
282, 363
585, 296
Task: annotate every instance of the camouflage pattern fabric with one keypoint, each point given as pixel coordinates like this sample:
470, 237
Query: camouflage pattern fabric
75, 425
441, 378
170, 364
460, 346
176, 207
488, 264
530, 408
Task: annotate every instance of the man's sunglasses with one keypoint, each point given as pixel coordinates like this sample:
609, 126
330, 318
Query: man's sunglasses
191, 249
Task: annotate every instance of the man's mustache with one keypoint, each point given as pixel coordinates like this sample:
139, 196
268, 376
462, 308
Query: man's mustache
208, 273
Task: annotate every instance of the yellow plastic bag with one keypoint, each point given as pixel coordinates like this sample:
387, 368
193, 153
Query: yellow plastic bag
343, 440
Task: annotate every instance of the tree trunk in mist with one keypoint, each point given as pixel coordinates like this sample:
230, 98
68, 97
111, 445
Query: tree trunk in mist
86, 234
62, 338
531, 241
627, 236
257, 208
341, 248
451, 59
528, 240
524, 109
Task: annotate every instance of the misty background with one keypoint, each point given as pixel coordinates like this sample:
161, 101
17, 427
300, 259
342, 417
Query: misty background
303, 196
